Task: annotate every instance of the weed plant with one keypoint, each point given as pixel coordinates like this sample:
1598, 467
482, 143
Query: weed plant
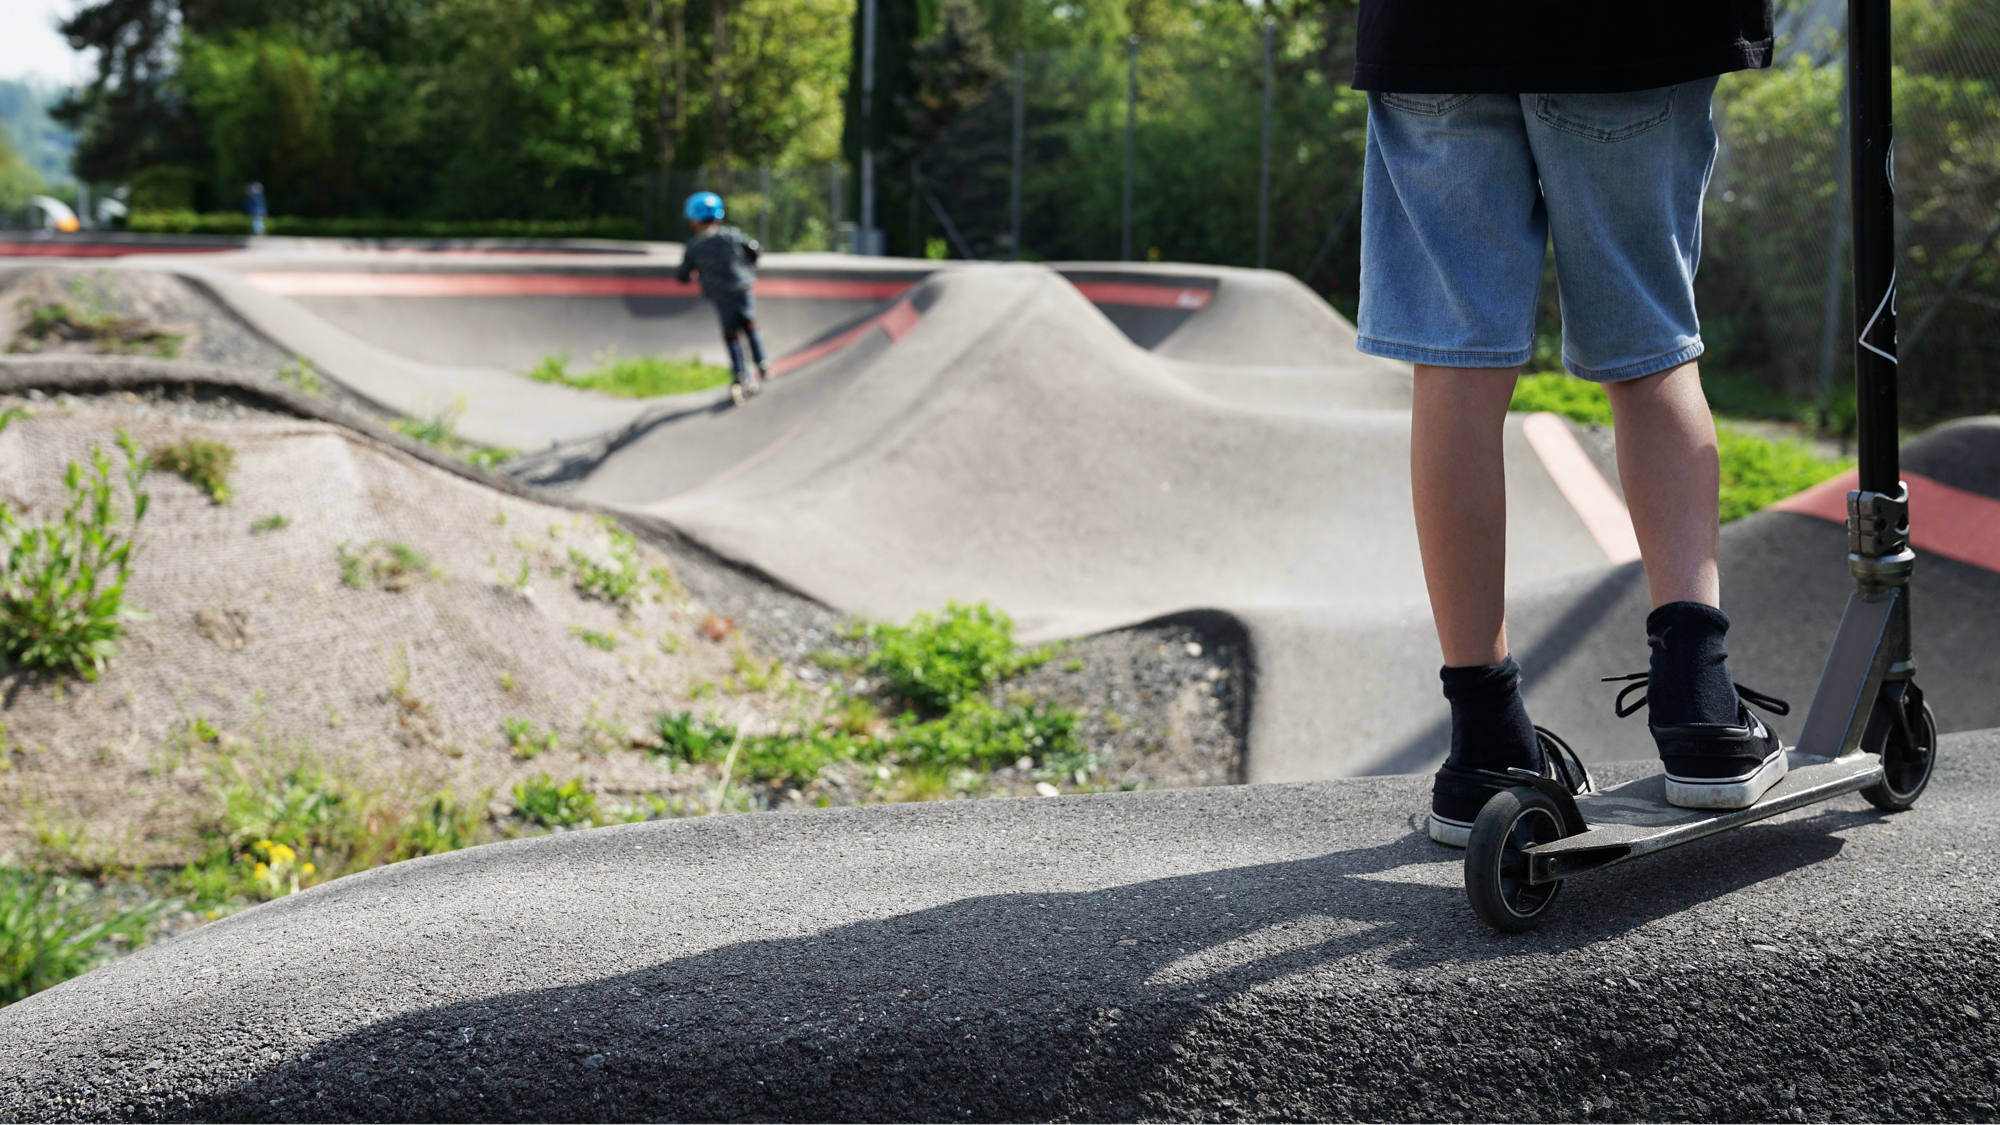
386, 565
202, 462
302, 376
632, 376
52, 929
523, 742
603, 642
939, 659
618, 581
62, 583
440, 432
542, 801
276, 521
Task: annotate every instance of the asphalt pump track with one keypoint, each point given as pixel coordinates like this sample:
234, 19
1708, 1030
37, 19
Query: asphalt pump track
1212, 445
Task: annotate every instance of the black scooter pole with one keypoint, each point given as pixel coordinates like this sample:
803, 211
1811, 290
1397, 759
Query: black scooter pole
1867, 690
1873, 176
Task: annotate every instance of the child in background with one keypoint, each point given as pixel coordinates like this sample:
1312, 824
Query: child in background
1491, 129
726, 259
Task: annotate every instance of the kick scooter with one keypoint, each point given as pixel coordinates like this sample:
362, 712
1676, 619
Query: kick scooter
1868, 729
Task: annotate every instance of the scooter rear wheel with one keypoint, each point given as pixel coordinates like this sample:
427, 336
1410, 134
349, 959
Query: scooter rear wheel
1907, 762
1496, 863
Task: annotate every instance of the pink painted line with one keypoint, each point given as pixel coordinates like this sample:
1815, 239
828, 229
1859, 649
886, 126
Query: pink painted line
1944, 520
1144, 296
1589, 494
553, 285
98, 250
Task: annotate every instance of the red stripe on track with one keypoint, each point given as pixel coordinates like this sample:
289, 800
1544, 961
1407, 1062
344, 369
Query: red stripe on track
98, 250
554, 285
1944, 520
1144, 296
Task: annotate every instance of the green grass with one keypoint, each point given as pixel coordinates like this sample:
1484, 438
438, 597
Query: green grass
603, 642
1757, 472
276, 521
440, 432
1575, 399
52, 929
201, 462
62, 582
633, 376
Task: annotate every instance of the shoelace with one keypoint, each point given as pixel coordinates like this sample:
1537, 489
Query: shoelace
1768, 702
1563, 762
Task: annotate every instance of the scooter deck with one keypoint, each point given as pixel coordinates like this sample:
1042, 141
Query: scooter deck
1634, 819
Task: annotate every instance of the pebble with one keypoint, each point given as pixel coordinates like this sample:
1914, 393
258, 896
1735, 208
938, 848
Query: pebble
1194, 648
1044, 789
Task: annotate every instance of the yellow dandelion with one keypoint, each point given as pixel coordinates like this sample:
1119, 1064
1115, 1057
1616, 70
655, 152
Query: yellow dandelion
261, 871
307, 868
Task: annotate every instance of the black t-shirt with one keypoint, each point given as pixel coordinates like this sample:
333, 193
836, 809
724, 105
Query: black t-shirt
1555, 46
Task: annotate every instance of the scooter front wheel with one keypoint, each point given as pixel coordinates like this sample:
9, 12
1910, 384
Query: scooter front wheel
1908, 757
1496, 861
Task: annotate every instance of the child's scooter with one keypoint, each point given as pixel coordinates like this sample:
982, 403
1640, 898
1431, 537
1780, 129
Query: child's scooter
1869, 729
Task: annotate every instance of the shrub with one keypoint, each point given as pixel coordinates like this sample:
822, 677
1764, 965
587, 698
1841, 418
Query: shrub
936, 661
62, 583
201, 462
541, 801
52, 929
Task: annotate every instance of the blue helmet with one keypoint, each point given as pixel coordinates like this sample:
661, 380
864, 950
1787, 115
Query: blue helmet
703, 207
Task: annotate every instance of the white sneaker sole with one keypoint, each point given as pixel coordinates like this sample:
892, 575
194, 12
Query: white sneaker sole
1451, 833
1727, 792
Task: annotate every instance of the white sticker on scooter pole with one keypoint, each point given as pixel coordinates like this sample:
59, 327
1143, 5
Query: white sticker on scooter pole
1888, 302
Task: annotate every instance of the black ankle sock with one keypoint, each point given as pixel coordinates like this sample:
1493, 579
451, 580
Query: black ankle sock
1689, 680
1489, 722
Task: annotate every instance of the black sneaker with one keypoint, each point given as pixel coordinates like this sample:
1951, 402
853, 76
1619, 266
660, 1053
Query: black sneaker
1459, 792
1715, 765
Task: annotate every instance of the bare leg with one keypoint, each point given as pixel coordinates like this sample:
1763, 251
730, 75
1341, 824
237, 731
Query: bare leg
1667, 463
1458, 483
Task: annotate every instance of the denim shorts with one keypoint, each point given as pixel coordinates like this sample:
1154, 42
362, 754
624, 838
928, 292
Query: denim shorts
1462, 192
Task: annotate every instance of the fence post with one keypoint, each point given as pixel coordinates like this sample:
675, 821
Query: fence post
1014, 199
1264, 163
764, 213
1131, 120
833, 206
864, 241
1836, 264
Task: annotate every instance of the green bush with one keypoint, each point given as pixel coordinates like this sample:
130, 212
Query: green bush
201, 462
1575, 399
62, 583
1758, 472
53, 929
633, 376
937, 660
541, 801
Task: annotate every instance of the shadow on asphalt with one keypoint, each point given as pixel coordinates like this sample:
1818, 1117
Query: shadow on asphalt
1001, 1006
